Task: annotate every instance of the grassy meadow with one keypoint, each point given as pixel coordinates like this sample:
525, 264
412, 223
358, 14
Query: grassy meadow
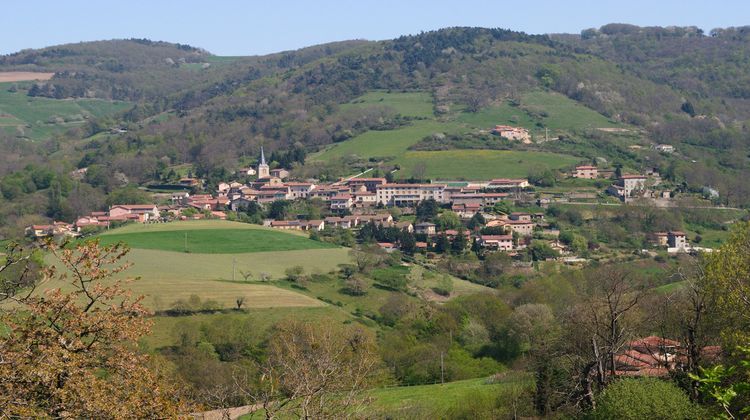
535, 111
215, 241
408, 104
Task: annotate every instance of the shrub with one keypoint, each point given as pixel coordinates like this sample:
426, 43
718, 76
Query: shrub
645, 398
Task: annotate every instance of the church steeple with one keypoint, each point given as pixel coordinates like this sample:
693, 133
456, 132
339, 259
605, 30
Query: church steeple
264, 171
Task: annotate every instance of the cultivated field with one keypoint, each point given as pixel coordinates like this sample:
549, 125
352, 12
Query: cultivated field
215, 241
22, 76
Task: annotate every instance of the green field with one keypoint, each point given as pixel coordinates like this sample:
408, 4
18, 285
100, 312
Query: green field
408, 104
390, 143
536, 110
558, 112
215, 241
165, 276
481, 164
488, 117
35, 116
436, 400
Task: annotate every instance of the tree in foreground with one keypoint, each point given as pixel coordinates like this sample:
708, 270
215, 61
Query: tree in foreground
645, 398
316, 371
72, 353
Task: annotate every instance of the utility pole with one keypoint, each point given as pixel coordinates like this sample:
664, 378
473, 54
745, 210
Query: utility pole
186, 249
234, 264
546, 134
442, 369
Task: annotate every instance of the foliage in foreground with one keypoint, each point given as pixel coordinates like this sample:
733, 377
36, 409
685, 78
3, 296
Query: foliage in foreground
73, 354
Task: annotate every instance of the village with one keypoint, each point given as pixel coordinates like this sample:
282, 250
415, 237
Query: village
354, 202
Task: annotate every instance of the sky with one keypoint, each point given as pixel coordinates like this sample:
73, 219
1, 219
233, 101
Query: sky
250, 27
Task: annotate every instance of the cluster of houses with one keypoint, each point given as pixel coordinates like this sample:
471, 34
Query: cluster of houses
656, 357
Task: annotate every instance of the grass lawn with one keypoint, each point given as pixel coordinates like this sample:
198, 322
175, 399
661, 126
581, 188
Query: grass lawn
439, 398
389, 143
216, 241
17, 109
486, 118
558, 112
410, 104
480, 164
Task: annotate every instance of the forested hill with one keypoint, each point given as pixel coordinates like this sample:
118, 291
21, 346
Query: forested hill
150, 72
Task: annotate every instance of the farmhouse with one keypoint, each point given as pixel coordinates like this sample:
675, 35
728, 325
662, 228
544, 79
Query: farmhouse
586, 172
512, 133
677, 240
664, 148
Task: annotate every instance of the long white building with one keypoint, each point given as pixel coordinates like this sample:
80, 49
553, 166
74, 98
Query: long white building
409, 194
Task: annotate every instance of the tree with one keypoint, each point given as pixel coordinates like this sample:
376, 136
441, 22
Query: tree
355, 286
458, 245
316, 370
427, 210
71, 354
645, 398
448, 220
239, 302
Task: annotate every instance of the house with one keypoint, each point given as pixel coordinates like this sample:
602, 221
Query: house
657, 356
677, 240
280, 173
496, 242
339, 222
364, 199
145, 212
315, 225
512, 133
246, 171
300, 190
483, 199
466, 211
660, 238
425, 228
404, 226
628, 186
370, 184
664, 148
409, 194
241, 203
341, 202
522, 227
506, 184
388, 246
586, 172
378, 219
525, 217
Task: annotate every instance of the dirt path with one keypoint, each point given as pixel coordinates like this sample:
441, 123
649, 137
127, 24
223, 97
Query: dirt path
21, 76
228, 413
